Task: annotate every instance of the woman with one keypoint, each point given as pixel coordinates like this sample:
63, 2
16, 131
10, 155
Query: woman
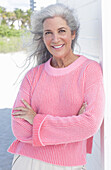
51, 133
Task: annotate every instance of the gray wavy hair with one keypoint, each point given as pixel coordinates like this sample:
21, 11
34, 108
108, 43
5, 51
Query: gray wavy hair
37, 48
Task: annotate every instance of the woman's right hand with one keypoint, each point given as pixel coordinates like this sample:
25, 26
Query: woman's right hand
26, 112
83, 108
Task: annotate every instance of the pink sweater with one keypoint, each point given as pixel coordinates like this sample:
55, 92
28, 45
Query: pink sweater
58, 135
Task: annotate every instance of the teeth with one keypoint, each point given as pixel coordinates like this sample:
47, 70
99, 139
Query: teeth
58, 46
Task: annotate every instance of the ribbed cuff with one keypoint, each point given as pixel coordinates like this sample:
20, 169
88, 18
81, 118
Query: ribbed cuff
37, 123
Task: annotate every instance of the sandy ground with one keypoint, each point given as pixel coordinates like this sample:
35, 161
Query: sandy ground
10, 70
8, 91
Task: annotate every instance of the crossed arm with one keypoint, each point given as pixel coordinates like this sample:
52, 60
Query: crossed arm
40, 129
28, 114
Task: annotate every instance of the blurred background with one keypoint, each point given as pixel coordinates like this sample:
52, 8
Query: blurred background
14, 24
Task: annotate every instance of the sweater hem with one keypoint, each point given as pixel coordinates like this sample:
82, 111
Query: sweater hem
63, 161
51, 162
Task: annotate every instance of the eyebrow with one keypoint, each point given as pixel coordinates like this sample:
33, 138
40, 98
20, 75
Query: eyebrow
58, 29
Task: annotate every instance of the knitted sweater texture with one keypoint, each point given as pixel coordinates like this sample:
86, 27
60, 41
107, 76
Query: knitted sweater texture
59, 135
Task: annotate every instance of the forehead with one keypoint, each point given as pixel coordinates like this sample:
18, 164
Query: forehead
55, 22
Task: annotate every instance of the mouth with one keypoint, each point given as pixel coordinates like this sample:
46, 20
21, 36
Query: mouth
58, 46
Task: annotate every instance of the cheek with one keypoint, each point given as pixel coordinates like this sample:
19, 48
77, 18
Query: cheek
46, 41
68, 39
69, 42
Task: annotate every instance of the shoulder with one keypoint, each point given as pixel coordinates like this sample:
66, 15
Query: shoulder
92, 67
91, 63
92, 72
33, 72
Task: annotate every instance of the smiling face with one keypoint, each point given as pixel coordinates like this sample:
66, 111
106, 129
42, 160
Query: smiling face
57, 37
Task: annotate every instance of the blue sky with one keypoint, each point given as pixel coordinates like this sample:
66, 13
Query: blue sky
23, 4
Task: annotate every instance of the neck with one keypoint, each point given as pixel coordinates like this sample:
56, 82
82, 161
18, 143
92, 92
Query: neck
63, 62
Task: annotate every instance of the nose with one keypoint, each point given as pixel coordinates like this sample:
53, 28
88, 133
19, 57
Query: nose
55, 38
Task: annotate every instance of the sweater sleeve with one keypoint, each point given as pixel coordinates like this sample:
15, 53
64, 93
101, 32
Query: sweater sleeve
53, 130
22, 130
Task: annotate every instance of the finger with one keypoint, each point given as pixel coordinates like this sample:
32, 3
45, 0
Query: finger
19, 113
26, 104
81, 111
20, 108
82, 108
85, 104
19, 116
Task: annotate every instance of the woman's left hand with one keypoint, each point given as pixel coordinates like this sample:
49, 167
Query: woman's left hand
26, 113
83, 108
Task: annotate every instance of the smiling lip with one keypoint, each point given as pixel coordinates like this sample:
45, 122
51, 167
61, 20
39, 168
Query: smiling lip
58, 46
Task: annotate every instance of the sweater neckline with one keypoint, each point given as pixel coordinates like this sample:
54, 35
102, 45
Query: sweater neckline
62, 71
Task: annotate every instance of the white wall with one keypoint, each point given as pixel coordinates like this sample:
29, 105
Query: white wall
106, 24
90, 41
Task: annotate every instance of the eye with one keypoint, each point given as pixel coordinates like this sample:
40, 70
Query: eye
47, 33
62, 31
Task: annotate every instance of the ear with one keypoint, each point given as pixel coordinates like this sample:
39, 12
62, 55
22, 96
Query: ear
73, 35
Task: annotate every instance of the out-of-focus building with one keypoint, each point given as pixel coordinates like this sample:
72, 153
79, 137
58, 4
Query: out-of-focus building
32, 5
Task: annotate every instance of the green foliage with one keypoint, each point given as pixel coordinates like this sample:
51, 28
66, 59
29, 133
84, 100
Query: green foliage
12, 44
5, 31
16, 15
10, 38
2, 10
